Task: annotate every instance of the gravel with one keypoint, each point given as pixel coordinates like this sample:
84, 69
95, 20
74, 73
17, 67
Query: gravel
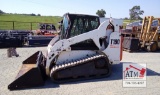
112, 85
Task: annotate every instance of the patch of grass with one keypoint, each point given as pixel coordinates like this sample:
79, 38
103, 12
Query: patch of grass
20, 21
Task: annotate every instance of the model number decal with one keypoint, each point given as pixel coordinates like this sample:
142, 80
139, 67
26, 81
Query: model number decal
115, 43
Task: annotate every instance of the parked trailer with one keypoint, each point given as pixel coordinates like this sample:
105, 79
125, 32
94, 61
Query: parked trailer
6, 41
43, 35
39, 40
19, 38
12, 38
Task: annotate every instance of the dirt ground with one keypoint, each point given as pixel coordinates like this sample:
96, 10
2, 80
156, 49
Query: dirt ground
112, 85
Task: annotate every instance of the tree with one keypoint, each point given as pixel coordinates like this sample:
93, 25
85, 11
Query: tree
1, 12
101, 13
126, 18
33, 14
38, 14
135, 12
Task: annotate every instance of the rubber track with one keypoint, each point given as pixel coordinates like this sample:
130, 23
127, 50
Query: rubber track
57, 68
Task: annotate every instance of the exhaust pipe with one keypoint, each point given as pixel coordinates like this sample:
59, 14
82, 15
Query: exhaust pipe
31, 74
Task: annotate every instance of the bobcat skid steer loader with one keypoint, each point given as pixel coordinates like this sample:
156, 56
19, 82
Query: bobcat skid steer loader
84, 49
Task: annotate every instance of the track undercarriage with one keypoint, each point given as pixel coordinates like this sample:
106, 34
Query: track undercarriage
96, 66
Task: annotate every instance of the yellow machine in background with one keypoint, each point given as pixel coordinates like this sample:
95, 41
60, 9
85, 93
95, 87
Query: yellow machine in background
150, 34
145, 36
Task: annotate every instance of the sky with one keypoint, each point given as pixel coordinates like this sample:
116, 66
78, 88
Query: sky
115, 8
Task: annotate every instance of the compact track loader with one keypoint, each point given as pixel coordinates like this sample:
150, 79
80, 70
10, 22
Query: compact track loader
85, 49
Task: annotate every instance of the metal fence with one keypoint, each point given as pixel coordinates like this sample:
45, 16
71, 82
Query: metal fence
15, 25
